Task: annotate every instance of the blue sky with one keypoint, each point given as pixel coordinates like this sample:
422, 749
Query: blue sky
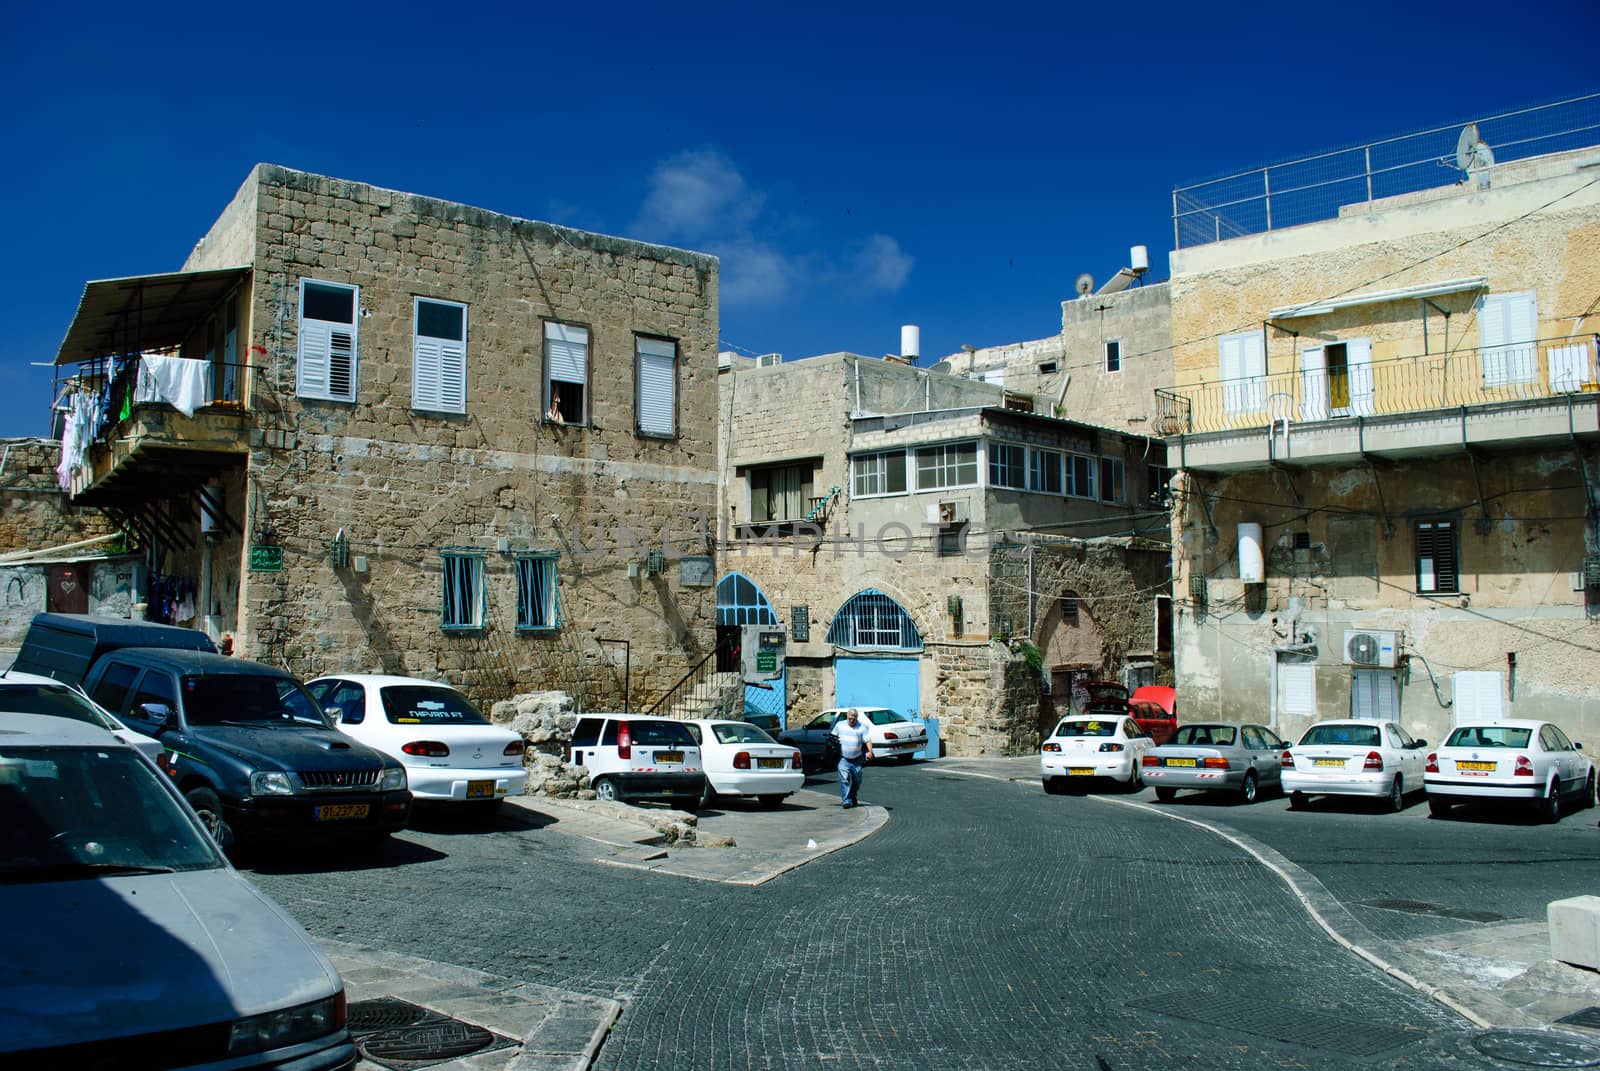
856, 167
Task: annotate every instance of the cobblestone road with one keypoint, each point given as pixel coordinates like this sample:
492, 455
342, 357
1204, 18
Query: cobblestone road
987, 926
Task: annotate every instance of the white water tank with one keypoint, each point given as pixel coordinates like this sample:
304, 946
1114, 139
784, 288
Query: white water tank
1139, 259
1252, 566
910, 340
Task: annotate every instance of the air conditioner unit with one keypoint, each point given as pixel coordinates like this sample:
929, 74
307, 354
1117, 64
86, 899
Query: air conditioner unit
1364, 647
768, 360
954, 512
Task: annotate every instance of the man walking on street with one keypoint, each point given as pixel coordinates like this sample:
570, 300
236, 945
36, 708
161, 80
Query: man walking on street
855, 751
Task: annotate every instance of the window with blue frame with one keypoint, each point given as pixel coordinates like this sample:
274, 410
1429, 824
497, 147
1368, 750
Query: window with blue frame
463, 602
538, 593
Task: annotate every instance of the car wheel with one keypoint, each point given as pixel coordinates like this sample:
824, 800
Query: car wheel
707, 796
605, 789
1587, 799
1297, 801
1438, 807
1397, 798
1248, 791
208, 808
1548, 807
1166, 794
1135, 779
1053, 786
771, 803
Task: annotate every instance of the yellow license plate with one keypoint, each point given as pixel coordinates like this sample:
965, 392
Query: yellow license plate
668, 758
1329, 762
770, 764
1179, 762
477, 790
1080, 771
1483, 766
333, 812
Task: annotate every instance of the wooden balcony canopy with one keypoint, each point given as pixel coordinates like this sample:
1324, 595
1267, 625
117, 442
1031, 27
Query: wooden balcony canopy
143, 312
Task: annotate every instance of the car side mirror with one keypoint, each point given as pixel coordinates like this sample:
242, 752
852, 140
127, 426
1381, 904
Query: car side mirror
160, 713
1420, 743
335, 714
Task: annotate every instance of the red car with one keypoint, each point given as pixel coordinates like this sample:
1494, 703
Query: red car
1155, 708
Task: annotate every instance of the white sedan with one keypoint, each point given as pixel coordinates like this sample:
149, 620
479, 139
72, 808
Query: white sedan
450, 751
1081, 748
27, 693
1529, 761
893, 735
740, 759
1354, 758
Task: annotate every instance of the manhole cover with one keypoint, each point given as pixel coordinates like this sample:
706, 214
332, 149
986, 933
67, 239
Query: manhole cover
1422, 907
1537, 1048
397, 1034
1589, 1017
1280, 1022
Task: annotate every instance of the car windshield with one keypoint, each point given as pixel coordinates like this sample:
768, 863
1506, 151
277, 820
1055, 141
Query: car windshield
55, 700
1353, 735
415, 704
1206, 735
731, 732
70, 813
1489, 736
882, 717
1086, 728
659, 734
231, 699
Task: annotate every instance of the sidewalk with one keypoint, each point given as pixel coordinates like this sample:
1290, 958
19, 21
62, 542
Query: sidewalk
1497, 976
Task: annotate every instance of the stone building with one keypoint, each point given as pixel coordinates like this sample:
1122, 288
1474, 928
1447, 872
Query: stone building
1388, 426
928, 543
365, 429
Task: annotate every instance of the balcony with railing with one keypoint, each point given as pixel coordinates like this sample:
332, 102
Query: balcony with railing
1529, 396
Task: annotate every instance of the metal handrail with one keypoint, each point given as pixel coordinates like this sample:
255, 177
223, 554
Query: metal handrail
696, 676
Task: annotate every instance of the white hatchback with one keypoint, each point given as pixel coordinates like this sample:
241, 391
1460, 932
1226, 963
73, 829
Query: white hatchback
1082, 748
1354, 757
1532, 762
450, 751
742, 760
29, 693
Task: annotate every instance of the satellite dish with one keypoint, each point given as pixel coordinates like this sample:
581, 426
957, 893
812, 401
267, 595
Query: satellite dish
1085, 285
1473, 155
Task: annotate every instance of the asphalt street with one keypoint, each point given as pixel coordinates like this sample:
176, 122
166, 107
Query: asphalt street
986, 926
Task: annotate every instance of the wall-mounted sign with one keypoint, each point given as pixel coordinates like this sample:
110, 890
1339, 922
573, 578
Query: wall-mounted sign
763, 652
696, 571
800, 623
266, 559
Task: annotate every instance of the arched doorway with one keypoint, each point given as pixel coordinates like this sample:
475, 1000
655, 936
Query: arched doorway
878, 654
1073, 653
741, 603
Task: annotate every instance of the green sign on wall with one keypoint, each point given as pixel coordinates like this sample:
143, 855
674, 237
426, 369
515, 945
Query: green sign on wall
266, 559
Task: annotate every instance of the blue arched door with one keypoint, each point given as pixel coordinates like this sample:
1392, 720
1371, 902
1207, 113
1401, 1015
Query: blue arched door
740, 603
878, 655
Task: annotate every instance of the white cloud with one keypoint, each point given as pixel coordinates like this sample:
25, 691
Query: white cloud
880, 264
698, 195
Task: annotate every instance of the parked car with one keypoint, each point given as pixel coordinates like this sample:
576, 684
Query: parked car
637, 757
250, 748
29, 693
133, 943
451, 752
1155, 708
742, 760
1219, 756
1353, 757
1089, 747
893, 734
770, 724
1531, 763
65, 647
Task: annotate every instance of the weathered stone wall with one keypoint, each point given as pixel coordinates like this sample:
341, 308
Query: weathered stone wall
404, 484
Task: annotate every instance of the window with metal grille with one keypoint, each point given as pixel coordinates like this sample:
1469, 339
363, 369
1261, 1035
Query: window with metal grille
538, 593
1007, 465
872, 621
463, 590
949, 465
1436, 556
739, 602
879, 474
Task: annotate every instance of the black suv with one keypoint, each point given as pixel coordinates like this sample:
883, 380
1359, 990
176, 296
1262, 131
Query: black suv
249, 748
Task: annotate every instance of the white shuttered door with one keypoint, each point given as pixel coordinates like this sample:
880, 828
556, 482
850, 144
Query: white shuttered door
1507, 326
1373, 695
657, 374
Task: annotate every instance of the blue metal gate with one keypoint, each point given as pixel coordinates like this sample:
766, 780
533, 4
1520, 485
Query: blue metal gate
740, 602
893, 682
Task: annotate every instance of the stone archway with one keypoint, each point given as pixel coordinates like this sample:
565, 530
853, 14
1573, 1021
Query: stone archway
1073, 652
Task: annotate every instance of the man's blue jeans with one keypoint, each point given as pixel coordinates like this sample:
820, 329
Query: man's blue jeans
850, 778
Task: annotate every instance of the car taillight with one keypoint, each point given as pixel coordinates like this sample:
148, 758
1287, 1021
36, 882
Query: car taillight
1216, 762
428, 749
516, 747
624, 742
797, 762
1374, 761
1150, 760
1432, 765
1286, 760
1524, 767
741, 761
1109, 746
889, 736
1051, 746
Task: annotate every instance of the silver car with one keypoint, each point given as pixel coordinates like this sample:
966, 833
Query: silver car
133, 943
1238, 757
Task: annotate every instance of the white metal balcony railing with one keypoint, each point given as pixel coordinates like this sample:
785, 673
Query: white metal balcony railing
1545, 369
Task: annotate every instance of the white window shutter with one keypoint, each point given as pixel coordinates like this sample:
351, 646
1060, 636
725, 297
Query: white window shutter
1571, 367
327, 361
1479, 696
567, 348
1297, 689
426, 372
1314, 384
439, 360
452, 377
657, 373
1508, 325
1363, 392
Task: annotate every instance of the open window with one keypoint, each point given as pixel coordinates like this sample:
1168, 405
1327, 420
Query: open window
566, 373
326, 360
